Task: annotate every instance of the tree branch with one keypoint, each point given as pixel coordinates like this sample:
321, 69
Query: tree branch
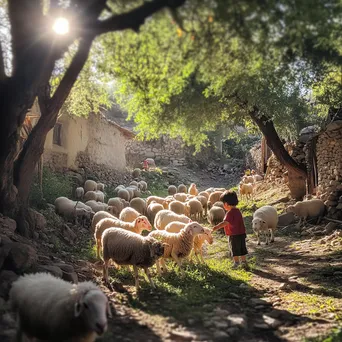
2, 65
135, 18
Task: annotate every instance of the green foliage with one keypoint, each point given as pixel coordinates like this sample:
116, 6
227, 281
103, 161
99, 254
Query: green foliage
238, 146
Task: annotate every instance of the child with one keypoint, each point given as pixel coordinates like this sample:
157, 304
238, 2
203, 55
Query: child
234, 228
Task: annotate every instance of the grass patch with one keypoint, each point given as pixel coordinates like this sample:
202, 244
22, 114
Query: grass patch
334, 336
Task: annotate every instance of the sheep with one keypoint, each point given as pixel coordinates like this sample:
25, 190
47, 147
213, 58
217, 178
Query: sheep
164, 217
220, 189
131, 193
71, 210
265, 220
97, 206
177, 207
117, 205
99, 216
205, 194
194, 209
135, 183
246, 189
134, 191
204, 202
210, 190
171, 190
137, 226
175, 227
90, 185
257, 178
311, 208
127, 248
214, 197
52, 309
100, 187
180, 197
193, 189
247, 179
139, 205
219, 204
179, 245
124, 194
99, 196
118, 188
142, 185
215, 215
157, 199
167, 201
128, 214
152, 210
182, 188
79, 193
90, 196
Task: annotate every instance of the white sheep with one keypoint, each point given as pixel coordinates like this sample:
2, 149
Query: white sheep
99, 216
246, 190
175, 227
131, 192
90, 196
152, 210
52, 309
214, 197
204, 202
79, 193
90, 185
97, 206
117, 205
311, 208
124, 194
215, 215
182, 188
181, 197
171, 190
165, 216
119, 187
142, 185
205, 194
193, 189
265, 221
179, 245
177, 207
139, 204
100, 196
140, 224
135, 190
127, 248
247, 179
128, 214
100, 187
167, 201
257, 178
157, 199
135, 183
194, 209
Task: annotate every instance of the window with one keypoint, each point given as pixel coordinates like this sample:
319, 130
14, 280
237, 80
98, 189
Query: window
57, 134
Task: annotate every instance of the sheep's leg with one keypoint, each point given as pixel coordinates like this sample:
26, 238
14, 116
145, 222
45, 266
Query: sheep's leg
266, 237
272, 235
258, 237
163, 264
136, 276
201, 255
196, 255
98, 249
147, 272
158, 268
175, 258
105, 271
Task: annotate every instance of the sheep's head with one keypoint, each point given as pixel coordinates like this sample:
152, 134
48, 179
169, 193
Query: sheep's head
208, 235
142, 223
258, 224
156, 247
193, 228
94, 308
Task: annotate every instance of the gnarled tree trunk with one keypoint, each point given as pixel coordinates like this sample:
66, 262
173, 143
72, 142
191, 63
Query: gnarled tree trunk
297, 175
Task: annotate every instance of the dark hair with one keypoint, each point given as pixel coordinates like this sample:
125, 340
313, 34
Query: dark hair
229, 197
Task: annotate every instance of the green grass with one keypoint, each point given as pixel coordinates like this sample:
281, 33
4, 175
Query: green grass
334, 336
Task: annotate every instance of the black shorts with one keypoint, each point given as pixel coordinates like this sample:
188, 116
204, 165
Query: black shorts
237, 244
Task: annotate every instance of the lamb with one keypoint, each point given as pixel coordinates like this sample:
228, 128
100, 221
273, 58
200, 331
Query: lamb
137, 226
205, 194
124, 194
311, 208
177, 207
172, 190
214, 197
90, 185
97, 206
175, 227
127, 248
181, 197
117, 205
128, 214
142, 185
204, 202
100, 187
265, 220
193, 189
52, 309
99, 216
152, 210
194, 209
90, 196
79, 193
139, 205
179, 245
246, 189
215, 215
182, 188
164, 217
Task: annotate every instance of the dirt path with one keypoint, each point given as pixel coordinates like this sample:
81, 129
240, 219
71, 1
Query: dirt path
292, 293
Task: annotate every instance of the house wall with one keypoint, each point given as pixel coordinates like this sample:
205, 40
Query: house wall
102, 141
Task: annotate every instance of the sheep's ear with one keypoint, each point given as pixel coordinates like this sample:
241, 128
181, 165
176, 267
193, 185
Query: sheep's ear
78, 308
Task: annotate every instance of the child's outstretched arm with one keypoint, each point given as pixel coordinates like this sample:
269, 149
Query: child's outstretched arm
220, 225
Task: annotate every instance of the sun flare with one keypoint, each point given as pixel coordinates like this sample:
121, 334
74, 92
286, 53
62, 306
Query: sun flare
61, 26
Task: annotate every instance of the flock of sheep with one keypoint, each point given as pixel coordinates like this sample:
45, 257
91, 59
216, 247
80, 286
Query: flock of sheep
53, 309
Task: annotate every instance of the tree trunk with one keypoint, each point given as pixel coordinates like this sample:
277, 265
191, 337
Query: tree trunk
297, 175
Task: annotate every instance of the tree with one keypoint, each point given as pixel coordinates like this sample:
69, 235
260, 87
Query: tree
35, 52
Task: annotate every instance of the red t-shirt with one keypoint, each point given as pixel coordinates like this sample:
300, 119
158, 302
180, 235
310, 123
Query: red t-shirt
235, 224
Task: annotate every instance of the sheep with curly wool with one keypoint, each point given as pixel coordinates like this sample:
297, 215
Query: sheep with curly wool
140, 224
179, 245
152, 210
194, 209
311, 208
90, 196
214, 197
165, 216
129, 214
265, 221
127, 248
90, 185
139, 204
177, 207
52, 309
